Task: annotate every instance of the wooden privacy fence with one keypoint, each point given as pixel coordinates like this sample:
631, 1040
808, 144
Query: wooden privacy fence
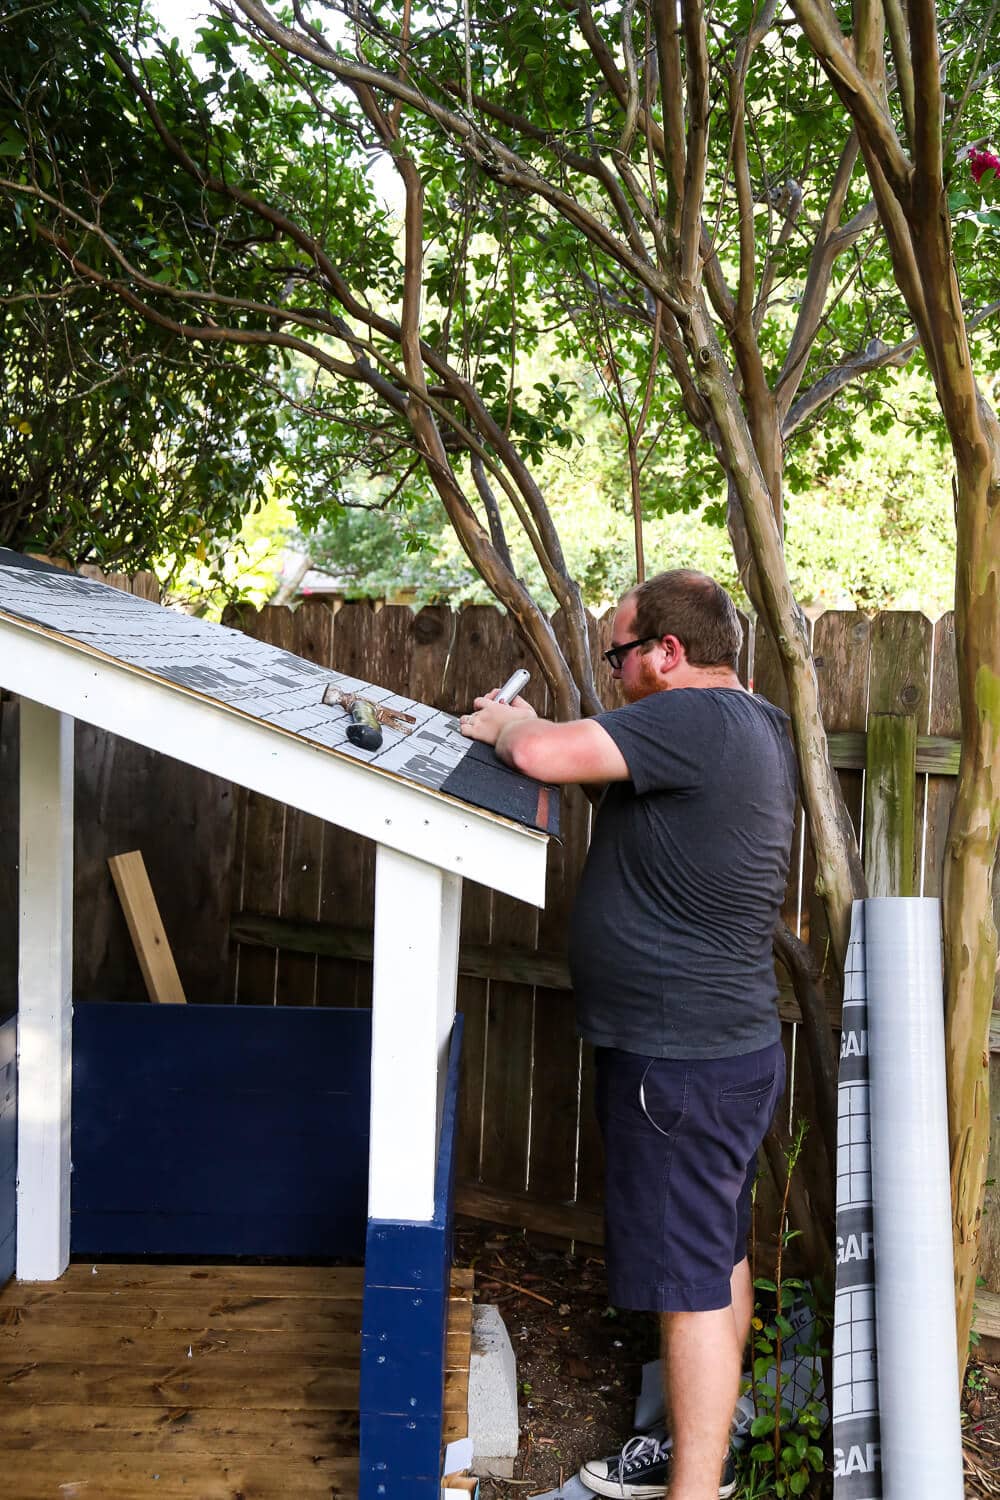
266, 906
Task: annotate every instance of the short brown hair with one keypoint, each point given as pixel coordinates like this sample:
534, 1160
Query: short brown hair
694, 608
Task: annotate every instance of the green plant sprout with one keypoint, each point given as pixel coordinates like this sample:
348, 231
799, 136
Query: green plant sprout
784, 1457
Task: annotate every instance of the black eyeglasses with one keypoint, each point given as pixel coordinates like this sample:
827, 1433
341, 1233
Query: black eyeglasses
616, 656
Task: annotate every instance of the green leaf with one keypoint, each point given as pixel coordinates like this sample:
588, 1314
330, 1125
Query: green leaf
12, 143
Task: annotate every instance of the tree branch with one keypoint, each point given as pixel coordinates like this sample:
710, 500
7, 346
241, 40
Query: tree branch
819, 22
496, 159
896, 23
823, 1061
492, 509
831, 242
875, 356
631, 78
696, 50
926, 65
668, 52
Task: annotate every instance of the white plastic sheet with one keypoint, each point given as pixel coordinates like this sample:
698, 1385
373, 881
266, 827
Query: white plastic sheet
917, 1361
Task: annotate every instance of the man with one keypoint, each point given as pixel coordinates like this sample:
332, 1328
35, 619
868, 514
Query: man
670, 951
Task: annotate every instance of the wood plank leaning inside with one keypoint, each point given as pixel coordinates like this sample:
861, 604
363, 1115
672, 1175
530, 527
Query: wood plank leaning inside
128, 871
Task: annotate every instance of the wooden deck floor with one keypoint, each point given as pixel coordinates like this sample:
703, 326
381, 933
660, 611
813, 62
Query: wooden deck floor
192, 1383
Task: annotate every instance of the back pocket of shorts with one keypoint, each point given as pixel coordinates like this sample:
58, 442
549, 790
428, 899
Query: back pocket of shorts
752, 1094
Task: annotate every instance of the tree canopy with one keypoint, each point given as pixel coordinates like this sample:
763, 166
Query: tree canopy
121, 441
870, 530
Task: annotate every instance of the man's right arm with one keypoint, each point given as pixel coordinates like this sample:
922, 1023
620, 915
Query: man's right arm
579, 752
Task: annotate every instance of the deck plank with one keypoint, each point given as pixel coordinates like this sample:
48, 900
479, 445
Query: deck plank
143, 1308
98, 1393
63, 1474
177, 1429
33, 1341
272, 1281
253, 1384
161, 1348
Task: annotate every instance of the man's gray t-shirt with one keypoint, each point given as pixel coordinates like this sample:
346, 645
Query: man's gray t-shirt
670, 943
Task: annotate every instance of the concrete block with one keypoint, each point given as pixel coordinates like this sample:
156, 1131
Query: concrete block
493, 1425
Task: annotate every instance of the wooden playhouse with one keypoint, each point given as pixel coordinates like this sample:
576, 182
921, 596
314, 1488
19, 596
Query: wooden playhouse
146, 1136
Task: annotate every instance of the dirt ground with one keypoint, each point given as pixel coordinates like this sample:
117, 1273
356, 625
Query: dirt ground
578, 1366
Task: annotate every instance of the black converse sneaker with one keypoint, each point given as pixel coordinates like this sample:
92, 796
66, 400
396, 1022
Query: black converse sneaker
642, 1470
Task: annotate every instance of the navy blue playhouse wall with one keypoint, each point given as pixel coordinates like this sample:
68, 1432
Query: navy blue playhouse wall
220, 1130
8, 1146
407, 1284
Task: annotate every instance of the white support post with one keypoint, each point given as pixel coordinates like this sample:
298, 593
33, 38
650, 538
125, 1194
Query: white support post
417, 917
45, 1011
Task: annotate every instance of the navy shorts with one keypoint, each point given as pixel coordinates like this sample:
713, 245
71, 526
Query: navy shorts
680, 1140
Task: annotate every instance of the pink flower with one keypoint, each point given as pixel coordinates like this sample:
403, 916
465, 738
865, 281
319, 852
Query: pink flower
981, 162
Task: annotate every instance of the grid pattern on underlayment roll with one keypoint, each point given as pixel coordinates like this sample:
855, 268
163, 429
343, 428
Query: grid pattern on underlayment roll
857, 1473
917, 1362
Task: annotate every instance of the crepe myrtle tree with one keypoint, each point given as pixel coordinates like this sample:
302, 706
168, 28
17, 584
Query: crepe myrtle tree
907, 139
673, 188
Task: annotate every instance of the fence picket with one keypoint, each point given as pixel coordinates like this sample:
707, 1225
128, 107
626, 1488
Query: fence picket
462, 680
556, 1101
348, 893
899, 680
590, 1147
944, 718
507, 1092
264, 842
841, 655
302, 855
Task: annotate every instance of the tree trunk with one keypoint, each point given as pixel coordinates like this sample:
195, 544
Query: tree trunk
839, 876
970, 936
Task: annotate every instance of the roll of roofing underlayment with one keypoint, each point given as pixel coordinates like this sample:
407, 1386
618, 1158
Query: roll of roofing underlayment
857, 1464
917, 1361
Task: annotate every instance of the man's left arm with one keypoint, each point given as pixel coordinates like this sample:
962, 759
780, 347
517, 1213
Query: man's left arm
579, 752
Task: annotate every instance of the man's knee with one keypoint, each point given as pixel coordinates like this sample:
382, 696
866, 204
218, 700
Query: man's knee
700, 1324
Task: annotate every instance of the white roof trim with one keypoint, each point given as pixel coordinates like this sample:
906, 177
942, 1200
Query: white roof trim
174, 720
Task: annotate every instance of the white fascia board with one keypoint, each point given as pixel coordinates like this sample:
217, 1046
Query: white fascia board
440, 830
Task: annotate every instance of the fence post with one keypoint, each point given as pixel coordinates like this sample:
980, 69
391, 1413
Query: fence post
890, 796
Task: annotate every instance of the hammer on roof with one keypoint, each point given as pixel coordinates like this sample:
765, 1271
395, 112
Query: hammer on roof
365, 728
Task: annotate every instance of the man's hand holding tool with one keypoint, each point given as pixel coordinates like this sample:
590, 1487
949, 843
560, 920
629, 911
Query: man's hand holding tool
496, 709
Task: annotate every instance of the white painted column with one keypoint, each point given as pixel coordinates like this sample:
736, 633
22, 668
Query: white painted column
45, 1011
417, 918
